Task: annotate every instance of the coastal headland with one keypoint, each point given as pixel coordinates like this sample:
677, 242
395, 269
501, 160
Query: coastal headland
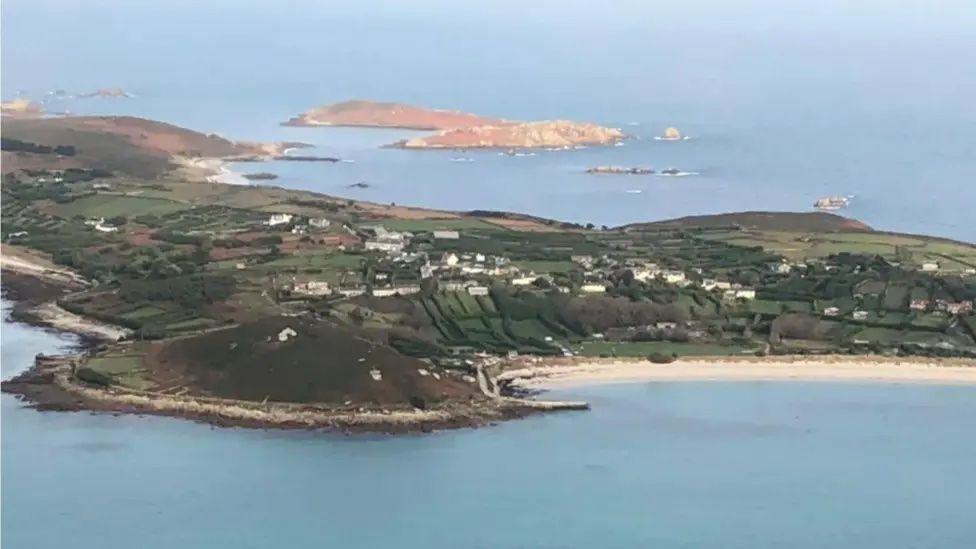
264, 306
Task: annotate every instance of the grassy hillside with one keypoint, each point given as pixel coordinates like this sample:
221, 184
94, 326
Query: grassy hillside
126, 145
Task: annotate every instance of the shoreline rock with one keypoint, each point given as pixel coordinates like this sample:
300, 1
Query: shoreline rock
526, 135
616, 170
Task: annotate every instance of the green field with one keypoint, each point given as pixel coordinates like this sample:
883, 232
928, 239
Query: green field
126, 370
541, 267
645, 348
106, 205
422, 225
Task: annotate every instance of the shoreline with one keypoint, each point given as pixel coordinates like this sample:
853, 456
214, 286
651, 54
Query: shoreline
829, 368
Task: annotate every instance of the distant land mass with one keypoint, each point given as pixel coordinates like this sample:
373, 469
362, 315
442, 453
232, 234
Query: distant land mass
116, 93
456, 129
373, 114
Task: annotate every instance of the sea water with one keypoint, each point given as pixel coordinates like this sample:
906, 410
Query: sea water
675, 464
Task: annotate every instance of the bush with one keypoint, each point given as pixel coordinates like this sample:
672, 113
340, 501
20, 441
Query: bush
94, 377
661, 358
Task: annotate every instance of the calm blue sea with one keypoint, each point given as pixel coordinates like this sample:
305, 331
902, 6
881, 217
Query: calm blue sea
697, 465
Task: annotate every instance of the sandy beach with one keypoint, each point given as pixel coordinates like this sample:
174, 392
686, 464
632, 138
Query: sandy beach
212, 170
855, 369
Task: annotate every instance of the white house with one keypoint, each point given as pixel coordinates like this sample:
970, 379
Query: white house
352, 292
450, 259
674, 277
453, 285
645, 274
286, 333
319, 223
593, 288
732, 295
313, 287
385, 245
478, 290
406, 289
930, 266
860, 315
278, 219
918, 304
446, 235
831, 311
745, 294
524, 280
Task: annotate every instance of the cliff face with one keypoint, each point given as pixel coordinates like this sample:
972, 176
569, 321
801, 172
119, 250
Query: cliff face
389, 115
545, 134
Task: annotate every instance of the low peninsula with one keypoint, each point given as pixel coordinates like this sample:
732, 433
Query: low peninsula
269, 307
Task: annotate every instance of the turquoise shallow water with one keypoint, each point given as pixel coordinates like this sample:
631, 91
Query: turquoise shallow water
723, 465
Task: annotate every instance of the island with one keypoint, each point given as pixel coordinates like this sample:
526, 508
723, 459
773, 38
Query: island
260, 176
266, 307
374, 114
556, 134
107, 93
459, 130
618, 170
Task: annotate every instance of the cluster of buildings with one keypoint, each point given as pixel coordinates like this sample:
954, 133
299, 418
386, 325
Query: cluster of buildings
297, 226
391, 242
101, 226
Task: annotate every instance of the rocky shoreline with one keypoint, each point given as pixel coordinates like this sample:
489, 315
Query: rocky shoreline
50, 386
555, 134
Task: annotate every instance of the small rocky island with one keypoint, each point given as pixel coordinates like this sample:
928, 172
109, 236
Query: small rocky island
618, 170
260, 176
459, 130
555, 134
